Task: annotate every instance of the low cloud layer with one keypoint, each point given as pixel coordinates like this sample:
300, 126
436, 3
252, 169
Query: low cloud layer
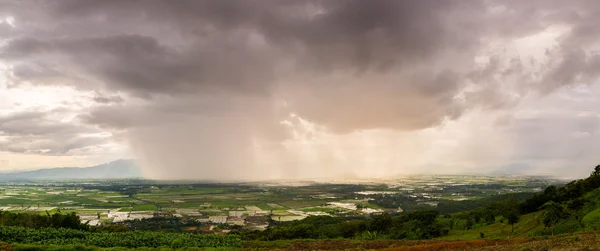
43, 133
297, 89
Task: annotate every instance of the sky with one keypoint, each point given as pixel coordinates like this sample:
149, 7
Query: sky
257, 90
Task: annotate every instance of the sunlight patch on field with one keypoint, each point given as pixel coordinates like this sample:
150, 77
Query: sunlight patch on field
349, 206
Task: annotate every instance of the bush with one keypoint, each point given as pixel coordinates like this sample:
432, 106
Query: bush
29, 247
133, 239
370, 235
569, 226
177, 243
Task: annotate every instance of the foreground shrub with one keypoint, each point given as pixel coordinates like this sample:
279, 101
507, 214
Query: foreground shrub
133, 239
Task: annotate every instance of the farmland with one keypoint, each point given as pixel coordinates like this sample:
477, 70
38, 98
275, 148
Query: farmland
413, 213
114, 201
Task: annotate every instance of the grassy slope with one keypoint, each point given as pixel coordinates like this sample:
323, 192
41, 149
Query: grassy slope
593, 215
527, 225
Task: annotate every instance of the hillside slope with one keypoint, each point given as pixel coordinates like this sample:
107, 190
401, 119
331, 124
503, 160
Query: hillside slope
563, 210
527, 226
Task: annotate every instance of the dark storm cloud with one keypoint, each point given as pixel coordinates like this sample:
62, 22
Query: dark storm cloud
240, 67
353, 34
254, 47
141, 65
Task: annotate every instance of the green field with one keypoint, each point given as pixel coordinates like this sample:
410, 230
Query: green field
282, 212
141, 198
144, 207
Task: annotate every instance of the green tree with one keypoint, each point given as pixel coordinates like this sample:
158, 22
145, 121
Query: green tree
510, 211
490, 218
553, 213
476, 216
596, 171
380, 223
469, 223
452, 222
512, 218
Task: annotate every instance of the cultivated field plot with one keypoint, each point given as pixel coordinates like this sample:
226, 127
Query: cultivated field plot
99, 202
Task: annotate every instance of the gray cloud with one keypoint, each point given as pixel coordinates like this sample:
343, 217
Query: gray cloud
206, 68
189, 47
36, 132
5, 29
108, 99
263, 46
33, 123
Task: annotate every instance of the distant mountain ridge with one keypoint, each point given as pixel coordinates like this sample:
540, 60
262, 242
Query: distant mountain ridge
118, 169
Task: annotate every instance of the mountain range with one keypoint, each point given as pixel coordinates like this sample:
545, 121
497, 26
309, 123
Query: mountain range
118, 169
